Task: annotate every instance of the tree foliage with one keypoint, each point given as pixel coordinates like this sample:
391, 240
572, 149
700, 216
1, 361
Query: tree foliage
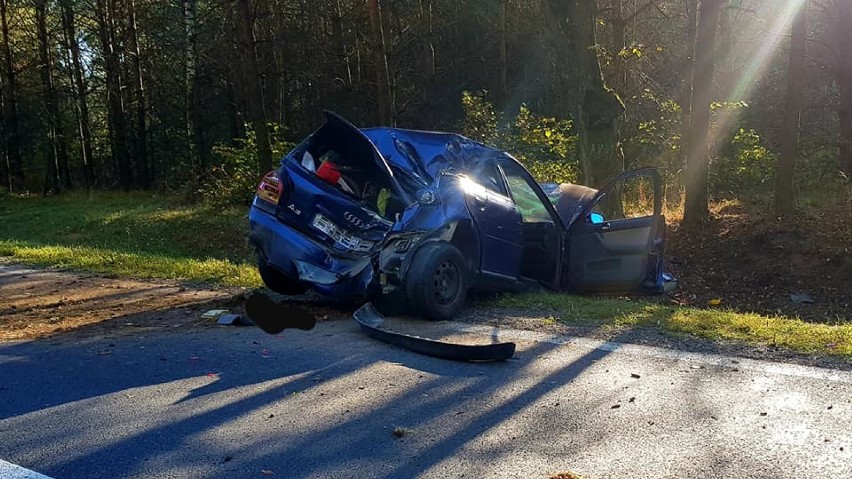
184, 94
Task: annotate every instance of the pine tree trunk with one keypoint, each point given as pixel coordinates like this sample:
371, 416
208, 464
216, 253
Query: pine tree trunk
842, 33
80, 93
4, 154
845, 114
790, 138
342, 48
688, 78
252, 88
619, 45
190, 85
105, 10
696, 210
597, 111
52, 182
137, 95
430, 112
13, 138
503, 82
380, 63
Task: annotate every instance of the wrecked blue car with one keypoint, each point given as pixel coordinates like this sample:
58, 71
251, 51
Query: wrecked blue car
360, 212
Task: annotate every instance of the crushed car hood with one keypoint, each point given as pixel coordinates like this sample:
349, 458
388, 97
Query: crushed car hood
425, 154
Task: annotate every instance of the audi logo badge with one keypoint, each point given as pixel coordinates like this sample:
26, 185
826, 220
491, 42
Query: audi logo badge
354, 219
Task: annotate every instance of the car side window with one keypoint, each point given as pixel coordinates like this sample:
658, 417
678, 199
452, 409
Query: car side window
627, 199
487, 175
522, 193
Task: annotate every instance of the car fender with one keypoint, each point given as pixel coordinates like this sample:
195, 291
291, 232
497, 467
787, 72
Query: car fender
462, 234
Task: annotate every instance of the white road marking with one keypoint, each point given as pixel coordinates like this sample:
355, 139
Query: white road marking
12, 471
764, 367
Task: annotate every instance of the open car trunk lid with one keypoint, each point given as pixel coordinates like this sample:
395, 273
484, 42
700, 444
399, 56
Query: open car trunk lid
346, 215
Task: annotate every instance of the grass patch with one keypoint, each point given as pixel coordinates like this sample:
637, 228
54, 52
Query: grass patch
138, 235
717, 324
144, 235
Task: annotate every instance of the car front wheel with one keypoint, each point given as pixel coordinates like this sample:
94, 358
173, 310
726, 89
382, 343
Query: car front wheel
278, 281
437, 281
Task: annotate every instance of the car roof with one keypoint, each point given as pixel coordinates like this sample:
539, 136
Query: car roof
426, 153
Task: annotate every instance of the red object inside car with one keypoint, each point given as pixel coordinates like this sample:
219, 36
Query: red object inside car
328, 171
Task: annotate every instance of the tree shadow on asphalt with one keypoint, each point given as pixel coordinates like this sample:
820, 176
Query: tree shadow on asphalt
477, 394
94, 377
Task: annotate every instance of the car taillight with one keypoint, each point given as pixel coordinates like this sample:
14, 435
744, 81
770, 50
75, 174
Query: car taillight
269, 188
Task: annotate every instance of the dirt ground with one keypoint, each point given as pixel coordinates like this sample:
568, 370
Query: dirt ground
37, 303
41, 303
753, 261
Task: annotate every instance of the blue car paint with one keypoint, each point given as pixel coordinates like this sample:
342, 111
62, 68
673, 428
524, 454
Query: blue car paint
285, 248
286, 241
430, 165
465, 217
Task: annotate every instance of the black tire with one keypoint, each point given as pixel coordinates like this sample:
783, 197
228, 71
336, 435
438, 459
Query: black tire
437, 281
278, 281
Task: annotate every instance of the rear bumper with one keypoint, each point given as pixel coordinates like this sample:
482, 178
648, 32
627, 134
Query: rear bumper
302, 258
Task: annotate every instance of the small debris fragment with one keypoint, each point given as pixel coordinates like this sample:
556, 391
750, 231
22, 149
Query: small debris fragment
228, 459
233, 320
763, 414
104, 353
831, 407
266, 472
271, 416
802, 298
194, 358
615, 406
632, 399
213, 375
635, 376
714, 302
566, 475
400, 432
213, 313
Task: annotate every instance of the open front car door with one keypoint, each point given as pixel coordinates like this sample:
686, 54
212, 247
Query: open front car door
616, 244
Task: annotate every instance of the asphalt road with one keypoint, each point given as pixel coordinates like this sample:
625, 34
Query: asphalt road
235, 402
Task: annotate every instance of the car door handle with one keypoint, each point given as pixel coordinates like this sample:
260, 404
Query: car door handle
606, 226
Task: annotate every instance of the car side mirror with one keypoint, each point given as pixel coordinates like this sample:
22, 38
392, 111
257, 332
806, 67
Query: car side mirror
596, 218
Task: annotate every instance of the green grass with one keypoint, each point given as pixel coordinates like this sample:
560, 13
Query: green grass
142, 235
129, 234
717, 324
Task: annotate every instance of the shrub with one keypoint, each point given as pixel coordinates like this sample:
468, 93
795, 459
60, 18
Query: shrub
747, 165
546, 146
232, 181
